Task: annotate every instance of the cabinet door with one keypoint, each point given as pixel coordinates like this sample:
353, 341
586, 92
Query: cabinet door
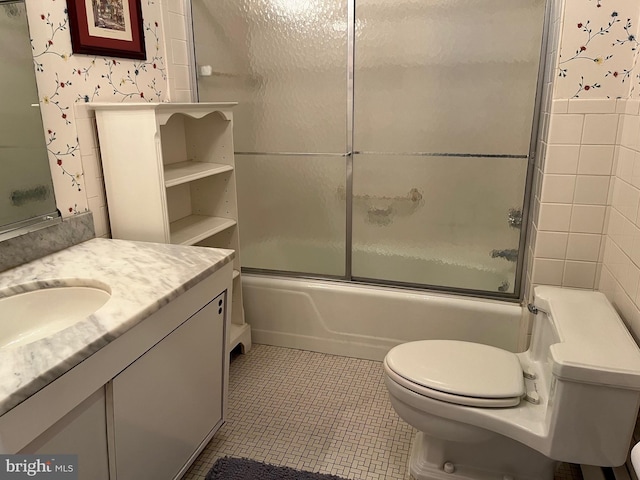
81, 432
167, 402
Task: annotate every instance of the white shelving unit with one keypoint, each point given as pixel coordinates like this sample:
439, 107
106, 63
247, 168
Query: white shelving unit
169, 177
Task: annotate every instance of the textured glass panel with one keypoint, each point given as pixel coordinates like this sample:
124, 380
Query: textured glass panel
292, 212
454, 76
437, 220
26, 190
285, 61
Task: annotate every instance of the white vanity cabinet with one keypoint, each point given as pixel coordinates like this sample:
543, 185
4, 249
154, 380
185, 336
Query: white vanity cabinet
145, 404
169, 174
170, 399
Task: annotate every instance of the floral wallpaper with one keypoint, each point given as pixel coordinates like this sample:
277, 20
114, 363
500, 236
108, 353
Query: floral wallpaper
65, 78
599, 49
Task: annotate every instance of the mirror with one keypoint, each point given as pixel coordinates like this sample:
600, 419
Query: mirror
26, 189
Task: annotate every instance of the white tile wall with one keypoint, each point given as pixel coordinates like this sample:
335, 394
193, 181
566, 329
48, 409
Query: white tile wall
552, 245
563, 159
554, 217
591, 190
626, 199
631, 127
175, 19
632, 107
548, 271
558, 188
583, 247
586, 233
595, 105
560, 105
620, 276
575, 187
600, 129
579, 274
595, 159
92, 167
587, 218
565, 129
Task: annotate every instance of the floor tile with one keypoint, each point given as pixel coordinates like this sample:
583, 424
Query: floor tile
315, 412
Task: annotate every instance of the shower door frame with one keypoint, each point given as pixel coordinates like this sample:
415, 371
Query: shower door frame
527, 204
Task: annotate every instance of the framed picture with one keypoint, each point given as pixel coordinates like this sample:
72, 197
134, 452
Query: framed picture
111, 28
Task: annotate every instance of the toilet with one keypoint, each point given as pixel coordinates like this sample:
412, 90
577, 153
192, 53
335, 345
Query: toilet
486, 413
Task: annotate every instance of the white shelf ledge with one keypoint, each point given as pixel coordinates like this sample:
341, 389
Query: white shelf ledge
183, 172
190, 230
236, 274
240, 334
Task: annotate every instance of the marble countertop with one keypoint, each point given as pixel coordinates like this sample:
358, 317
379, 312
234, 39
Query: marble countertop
142, 278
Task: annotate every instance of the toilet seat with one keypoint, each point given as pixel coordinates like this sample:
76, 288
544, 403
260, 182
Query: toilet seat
457, 372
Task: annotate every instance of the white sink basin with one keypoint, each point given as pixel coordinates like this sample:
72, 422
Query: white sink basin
30, 316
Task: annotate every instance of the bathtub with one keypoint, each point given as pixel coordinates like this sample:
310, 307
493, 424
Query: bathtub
366, 321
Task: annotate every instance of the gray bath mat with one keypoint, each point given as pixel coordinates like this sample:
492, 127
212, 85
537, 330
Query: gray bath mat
244, 469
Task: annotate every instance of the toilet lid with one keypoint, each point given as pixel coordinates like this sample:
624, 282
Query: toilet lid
459, 368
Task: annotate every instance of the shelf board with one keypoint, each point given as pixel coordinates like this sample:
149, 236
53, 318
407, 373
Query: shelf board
239, 333
190, 230
183, 172
236, 274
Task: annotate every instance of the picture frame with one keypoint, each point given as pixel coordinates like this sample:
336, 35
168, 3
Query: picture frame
111, 28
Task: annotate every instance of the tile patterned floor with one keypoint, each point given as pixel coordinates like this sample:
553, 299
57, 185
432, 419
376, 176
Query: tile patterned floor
314, 412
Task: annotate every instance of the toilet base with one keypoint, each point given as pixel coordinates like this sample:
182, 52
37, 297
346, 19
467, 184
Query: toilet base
436, 459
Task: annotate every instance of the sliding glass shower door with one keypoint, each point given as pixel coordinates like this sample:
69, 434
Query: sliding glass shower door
378, 140
444, 101
284, 62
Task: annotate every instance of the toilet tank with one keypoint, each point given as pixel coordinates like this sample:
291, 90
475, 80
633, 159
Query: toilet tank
592, 367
